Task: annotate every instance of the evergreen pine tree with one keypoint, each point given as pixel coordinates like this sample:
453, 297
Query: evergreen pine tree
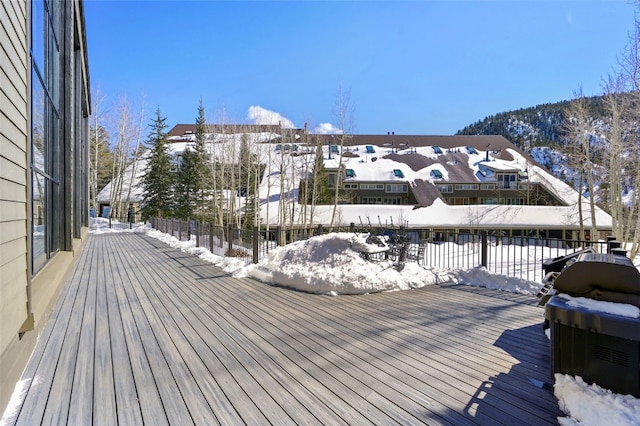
201, 166
159, 177
188, 186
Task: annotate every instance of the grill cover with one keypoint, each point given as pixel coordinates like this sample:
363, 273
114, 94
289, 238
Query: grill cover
601, 276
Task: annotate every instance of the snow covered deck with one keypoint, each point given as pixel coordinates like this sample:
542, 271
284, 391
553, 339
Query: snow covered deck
146, 334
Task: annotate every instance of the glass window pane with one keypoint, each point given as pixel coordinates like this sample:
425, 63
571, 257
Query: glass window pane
53, 146
37, 124
53, 62
54, 217
56, 10
38, 243
37, 33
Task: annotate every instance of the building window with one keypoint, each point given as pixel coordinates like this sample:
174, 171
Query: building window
350, 186
398, 173
396, 187
458, 201
515, 201
446, 188
488, 186
507, 181
488, 201
466, 187
437, 174
350, 173
46, 220
372, 186
381, 200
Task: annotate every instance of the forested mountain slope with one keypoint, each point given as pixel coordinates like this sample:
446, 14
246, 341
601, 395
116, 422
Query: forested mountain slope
541, 125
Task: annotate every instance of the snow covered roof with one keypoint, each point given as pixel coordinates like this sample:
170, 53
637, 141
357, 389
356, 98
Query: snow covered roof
442, 215
421, 161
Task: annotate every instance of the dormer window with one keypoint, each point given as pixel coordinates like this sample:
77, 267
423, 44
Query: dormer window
437, 149
507, 180
350, 173
370, 149
471, 150
437, 174
398, 173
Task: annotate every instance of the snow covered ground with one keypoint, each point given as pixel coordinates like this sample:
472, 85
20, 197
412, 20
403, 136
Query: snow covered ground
332, 264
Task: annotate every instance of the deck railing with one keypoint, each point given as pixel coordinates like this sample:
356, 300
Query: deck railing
120, 223
513, 256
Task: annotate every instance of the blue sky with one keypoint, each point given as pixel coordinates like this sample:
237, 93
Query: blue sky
412, 67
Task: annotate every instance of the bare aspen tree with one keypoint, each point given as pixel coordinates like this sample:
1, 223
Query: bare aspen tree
344, 116
292, 180
318, 163
249, 168
234, 187
305, 218
617, 106
262, 149
97, 117
219, 182
622, 102
269, 159
580, 135
136, 151
125, 134
282, 205
214, 176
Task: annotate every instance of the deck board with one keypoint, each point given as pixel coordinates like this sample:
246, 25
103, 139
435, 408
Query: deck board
146, 334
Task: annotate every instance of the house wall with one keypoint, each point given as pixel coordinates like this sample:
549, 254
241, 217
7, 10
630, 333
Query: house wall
535, 195
13, 171
33, 269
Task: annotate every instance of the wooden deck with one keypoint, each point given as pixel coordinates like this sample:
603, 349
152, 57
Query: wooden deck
146, 334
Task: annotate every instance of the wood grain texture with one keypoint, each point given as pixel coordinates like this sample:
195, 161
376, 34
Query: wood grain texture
146, 334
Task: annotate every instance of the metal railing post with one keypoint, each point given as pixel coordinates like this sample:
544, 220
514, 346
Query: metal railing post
484, 247
211, 237
256, 238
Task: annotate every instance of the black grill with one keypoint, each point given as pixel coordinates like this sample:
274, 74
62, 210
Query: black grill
600, 347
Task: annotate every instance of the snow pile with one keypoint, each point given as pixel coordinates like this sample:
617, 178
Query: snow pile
480, 277
621, 309
228, 264
591, 405
333, 264
100, 225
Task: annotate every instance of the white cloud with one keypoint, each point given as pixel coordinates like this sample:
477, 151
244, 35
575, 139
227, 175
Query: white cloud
327, 129
259, 115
